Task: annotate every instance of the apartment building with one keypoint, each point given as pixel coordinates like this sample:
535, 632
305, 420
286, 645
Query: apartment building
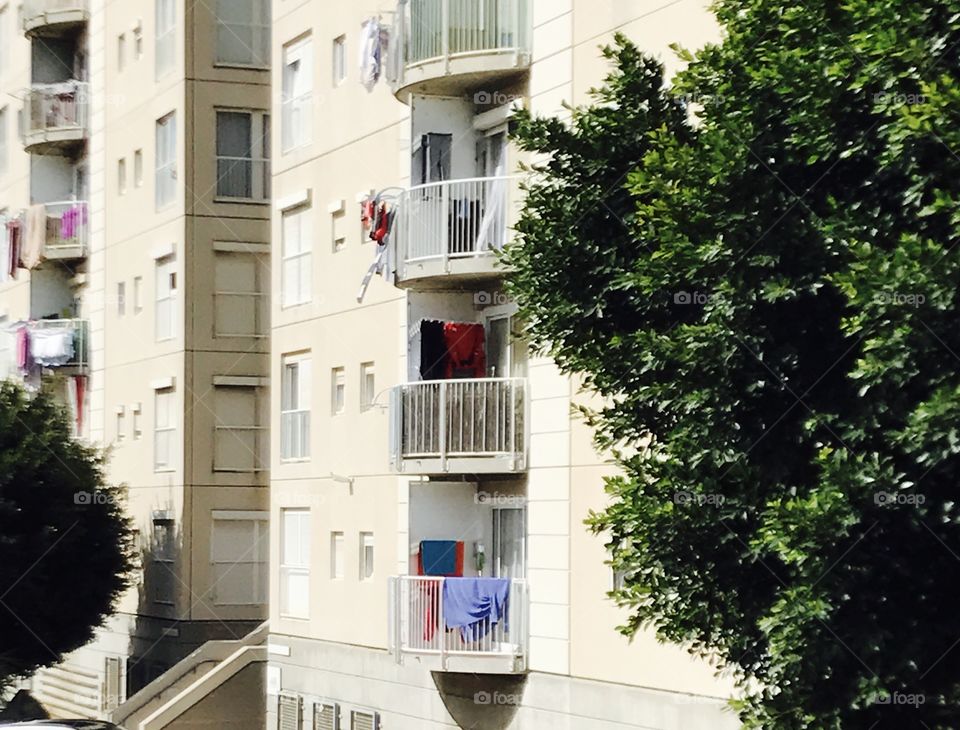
134, 193
425, 467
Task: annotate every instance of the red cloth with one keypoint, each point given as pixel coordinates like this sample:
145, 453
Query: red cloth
23, 348
80, 382
13, 231
465, 354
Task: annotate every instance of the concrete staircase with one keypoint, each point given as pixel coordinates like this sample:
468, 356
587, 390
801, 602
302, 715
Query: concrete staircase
219, 677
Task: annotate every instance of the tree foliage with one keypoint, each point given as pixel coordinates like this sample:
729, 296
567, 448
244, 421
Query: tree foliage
756, 265
65, 546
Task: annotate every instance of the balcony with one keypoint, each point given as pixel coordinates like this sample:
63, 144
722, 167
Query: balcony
66, 230
55, 117
448, 233
460, 426
50, 18
450, 47
54, 344
420, 629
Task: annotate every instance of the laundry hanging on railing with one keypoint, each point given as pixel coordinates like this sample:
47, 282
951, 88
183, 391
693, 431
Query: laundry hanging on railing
475, 605
52, 347
72, 222
374, 49
15, 235
35, 236
378, 216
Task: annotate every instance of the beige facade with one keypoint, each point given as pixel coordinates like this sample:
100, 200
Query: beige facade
149, 118
375, 453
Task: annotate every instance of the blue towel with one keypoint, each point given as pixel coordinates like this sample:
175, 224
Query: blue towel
474, 605
438, 557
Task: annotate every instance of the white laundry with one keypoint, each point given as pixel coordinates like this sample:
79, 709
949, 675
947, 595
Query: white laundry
51, 347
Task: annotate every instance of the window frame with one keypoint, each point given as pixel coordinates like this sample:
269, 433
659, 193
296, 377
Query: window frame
338, 391
258, 428
165, 266
168, 430
298, 412
165, 161
300, 567
259, 159
296, 122
303, 257
265, 32
338, 61
261, 574
165, 42
367, 566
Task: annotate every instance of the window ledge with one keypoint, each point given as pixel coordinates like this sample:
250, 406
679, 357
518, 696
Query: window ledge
241, 66
241, 201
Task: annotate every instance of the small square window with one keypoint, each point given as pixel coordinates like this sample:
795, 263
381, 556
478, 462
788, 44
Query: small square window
121, 298
121, 51
338, 380
368, 385
339, 60
336, 555
122, 175
366, 555
138, 168
137, 294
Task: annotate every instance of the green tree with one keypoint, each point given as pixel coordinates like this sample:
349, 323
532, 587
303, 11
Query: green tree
65, 546
756, 265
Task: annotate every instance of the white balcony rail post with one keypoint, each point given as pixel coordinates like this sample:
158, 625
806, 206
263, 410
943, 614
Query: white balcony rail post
442, 417
441, 630
445, 34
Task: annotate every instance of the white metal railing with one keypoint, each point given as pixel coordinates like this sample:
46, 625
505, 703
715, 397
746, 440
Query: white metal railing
52, 107
67, 226
444, 29
460, 418
418, 624
74, 328
454, 219
243, 177
49, 9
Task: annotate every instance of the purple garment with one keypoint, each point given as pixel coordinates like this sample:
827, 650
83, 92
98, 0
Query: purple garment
475, 605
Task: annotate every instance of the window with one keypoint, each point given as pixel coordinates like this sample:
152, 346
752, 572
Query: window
240, 303
296, 94
368, 385
3, 136
138, 43
166, 298
166, 162
240, 439
121, 423
121, 51
166, 48
297, 236
137, 294
339, 60
338, 389
138, 168
431, 158
364, 720
366, 555
164, 429
239, 556
243, 149
137, 429
295, 407
295, 563
121, 175
121, 298
163, 579
243, 32
336, 228
336, 555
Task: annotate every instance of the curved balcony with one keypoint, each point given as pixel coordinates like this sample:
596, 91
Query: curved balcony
55, 117
51, 18
449, 233
451, 47
65, 229
420, 630
461, 426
